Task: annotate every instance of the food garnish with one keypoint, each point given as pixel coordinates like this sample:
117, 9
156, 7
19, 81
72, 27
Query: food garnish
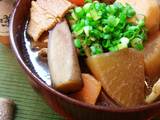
100, 28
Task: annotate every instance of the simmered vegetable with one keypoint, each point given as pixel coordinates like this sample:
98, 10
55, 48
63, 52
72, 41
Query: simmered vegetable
77, 2
90, 91
154, 94
152, 57
62, 60
121, 74
147, 8
98, 27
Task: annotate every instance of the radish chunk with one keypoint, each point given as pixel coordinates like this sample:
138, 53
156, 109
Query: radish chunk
90, 91
62, 60
147, 8
121, 75
152, 56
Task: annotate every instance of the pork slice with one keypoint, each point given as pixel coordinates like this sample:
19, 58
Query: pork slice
62, 59
57, 8
40, 21
45, 14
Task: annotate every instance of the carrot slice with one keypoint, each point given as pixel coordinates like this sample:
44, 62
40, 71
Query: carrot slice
77, 2
90, 91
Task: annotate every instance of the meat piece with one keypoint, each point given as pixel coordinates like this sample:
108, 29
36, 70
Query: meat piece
41, 43
63, 60
57, 8
43, 18
42, 54
121, 74
148, 8
152, 55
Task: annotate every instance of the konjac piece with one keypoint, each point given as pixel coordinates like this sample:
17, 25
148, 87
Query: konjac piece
63, 60
121, 74
152, 57
147, 8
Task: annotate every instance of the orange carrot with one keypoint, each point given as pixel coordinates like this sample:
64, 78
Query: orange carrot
77, 2
90, 91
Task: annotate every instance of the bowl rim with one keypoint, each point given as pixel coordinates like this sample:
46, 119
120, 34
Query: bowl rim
61, 95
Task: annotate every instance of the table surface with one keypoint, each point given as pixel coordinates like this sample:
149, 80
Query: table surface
14, 85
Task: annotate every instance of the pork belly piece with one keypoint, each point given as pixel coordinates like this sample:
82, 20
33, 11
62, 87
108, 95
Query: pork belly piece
57, 8
41, 43
44, 16
62, 60
121, 75
40, 21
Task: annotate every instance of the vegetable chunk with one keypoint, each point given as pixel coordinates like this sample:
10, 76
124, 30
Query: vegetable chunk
62, 60
121, 74
154, 94
152, 55
90, 91
147, 8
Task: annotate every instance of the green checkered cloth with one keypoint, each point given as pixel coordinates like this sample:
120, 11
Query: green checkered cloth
14, 85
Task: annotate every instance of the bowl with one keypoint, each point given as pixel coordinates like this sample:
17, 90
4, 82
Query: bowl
60, 103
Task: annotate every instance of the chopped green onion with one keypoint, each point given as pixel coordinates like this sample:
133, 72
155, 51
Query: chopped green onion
77, 43
99, 27
96, 49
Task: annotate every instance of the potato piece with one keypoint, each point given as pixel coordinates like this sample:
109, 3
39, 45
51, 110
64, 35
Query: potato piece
121, 74
90, 91
152, 55
63, 60
148, 8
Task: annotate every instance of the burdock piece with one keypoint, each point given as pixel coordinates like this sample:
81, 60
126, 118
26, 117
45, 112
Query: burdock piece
6, 109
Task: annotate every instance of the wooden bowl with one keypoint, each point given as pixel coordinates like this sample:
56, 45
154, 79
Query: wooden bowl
64, 105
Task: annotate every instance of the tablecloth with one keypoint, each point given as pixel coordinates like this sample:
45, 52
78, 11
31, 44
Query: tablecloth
14, 85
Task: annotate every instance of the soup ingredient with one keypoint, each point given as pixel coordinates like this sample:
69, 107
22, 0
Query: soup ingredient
42, 54
98, 27
105, 101
154, 94
63, 60
147, 8
77, 2
41, 43
44, 16
152, 55
90, 91
121, 75
108, 1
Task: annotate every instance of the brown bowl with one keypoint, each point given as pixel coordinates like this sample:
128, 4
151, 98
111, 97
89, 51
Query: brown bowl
64, 105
